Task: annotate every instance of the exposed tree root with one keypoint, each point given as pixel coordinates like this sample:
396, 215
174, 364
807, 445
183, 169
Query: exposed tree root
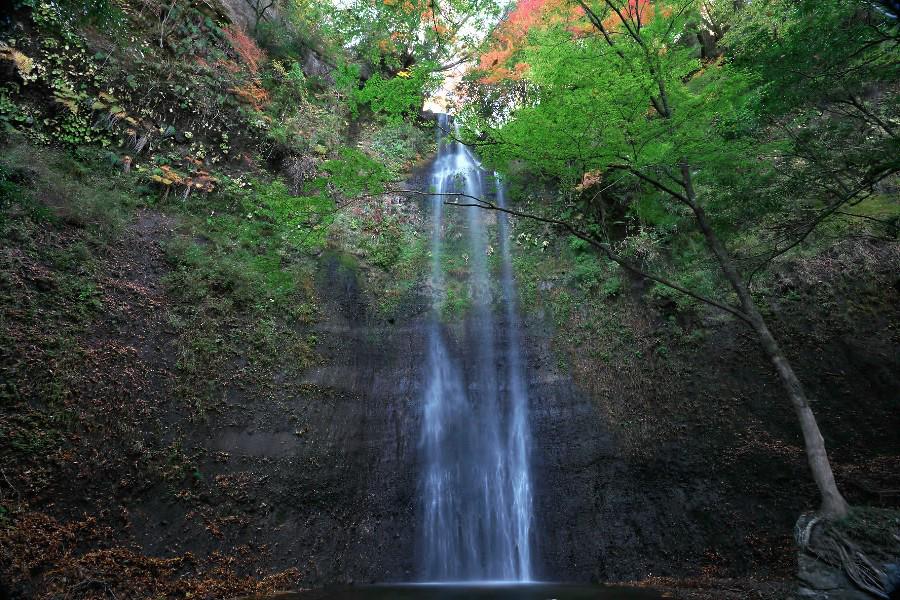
824, 540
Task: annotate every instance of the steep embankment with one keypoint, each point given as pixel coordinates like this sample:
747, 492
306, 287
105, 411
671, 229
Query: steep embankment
197, 448
193, 395
675, 452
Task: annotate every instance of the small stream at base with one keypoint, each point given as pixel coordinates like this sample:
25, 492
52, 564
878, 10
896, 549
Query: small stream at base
492, 591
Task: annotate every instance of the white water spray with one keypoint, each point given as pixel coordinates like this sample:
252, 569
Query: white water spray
476, 488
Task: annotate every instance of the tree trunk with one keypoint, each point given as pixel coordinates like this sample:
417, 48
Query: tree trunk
833, 503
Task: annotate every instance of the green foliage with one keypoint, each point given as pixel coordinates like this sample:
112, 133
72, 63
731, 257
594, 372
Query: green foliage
386, 237
456, 302
399, 144
404, 270
588, 271
834, 48
59, 63
281, 38
287, 83
393, 36
652, 211
10, 112
611, 286
36, 178
385, 251
302, 220
561, 307
397, 97
102, 13
244, 278
13, 194
266, 221
346, 81
612, 121
355, 174
591, 273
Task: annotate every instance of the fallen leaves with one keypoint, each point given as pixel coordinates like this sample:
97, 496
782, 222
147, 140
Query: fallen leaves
24, 64
78, 559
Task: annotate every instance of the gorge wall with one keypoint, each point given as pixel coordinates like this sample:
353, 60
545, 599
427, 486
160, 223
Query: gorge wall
689, 461
683, 464
194, 400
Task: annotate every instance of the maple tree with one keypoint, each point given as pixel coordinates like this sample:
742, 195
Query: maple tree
504, 57
506, 44
394, 35
619, 92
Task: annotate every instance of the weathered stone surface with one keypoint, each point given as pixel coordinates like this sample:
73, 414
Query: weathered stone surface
819, 575
241, 13
804, 593
314, 66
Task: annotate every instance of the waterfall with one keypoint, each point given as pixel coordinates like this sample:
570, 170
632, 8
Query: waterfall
476, 485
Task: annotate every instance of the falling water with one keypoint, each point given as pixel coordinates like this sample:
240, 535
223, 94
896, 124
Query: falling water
477, 509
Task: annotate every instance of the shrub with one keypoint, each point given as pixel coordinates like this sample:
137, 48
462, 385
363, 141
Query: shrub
354, 173
588, 271
287, 85
577, 244
102, 13
399, 143
300, 220
251, 54
251, 93
611, 286
397, 97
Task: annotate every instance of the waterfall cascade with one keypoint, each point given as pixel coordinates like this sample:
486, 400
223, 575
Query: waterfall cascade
476, 486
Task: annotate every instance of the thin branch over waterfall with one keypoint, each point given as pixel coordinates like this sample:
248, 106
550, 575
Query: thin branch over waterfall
604, 247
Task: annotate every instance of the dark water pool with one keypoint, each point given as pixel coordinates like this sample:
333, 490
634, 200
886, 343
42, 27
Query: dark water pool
502, 591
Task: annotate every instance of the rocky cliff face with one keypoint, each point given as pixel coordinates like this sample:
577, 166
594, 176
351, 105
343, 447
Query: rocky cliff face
320, 475
657, 468
242, 12
291, 445
689, 462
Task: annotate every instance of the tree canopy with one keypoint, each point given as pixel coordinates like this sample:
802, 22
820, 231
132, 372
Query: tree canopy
394, 35
700, 139
611, 115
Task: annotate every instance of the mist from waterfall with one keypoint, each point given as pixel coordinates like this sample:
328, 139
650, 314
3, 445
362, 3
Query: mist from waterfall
476, 485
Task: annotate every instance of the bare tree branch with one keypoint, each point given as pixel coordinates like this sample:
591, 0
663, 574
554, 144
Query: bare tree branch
604, 247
